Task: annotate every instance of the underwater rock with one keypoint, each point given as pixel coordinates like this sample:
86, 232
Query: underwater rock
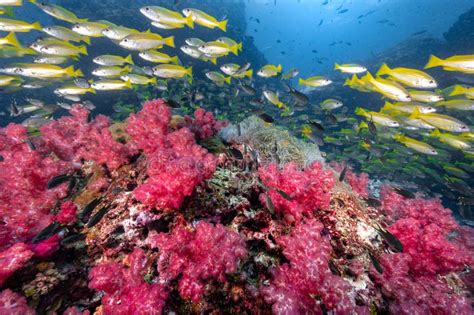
461, 33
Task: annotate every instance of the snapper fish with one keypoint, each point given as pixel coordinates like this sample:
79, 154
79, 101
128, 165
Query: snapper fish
10, 25
268, 71
378, 118
146, 41
387, 88
351, 68
111, 60
461, 63
167, 17
410, 77
58, 12
440, 121
110, 85
416, 145
316, 81
117, 32
64, 33
204, 19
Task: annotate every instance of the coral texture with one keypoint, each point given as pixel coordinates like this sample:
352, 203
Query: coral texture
75, 138
12, 303
309, 189
203, 125
207, 253
13, 259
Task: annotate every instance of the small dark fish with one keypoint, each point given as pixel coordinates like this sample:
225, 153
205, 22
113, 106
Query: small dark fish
82, 83
360, 16
343, 11
372, 127
300, 98
278, 41
316, 126
47, 232
343, 174
284, 194
30, 144
372, 202
247, 89
72, 239
392, 240
14, 111
348, 43
465, 201
331, 118
283, 52
173, 104
58, 180
257, 20
1, 158
266, 118
270, 204
239, 129
88, 209
256, 102
321, 22
376, 263
403, 192
419, 33
97, 217
332, 266
236, 153
314, 51
316, 139
242, 69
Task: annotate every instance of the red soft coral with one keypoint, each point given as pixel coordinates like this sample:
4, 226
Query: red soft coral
67, 213
309, 189
294, 285
203, 125
13, 259
358, 182
126, 291
73, 138
12, 303
199, 256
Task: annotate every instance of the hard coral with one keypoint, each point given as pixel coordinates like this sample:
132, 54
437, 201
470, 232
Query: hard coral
309, 189
199, 256
12, 303
306, 284
176, 164
73, 138
126, 291
25, 201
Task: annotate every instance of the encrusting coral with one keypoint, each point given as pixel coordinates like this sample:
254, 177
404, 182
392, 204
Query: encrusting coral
139, 217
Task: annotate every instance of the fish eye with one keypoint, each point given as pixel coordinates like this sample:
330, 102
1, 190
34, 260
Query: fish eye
407, 96
147, 9
125, 40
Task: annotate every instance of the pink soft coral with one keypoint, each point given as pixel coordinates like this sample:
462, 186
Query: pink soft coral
126, 291
67, 213
203, 125
176, 164
12, 303
295, 285
207, 253
309, 189
358, 182
13, 259
73, 138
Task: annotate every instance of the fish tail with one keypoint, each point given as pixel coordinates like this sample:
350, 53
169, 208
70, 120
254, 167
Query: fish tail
279, 68
337, 66
360, 111
69, 71
12, 40
347, 82
189, 71
189, 21
152, 81
128, 84
239, 46
9, 12
174, 60
398, 137
36, 26
33, 1
169, 41
388, 105
384, 69
234, 49
82, 20
301, 81
78, 73
228, 80
129, 60
213, 60
458, 89
87, 40
434, 62
83, 50
222, 25
435, 133
416, 113
92, 91
367, 78
249, 73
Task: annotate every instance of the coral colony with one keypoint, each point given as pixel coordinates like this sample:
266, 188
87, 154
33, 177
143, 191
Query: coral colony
140, 218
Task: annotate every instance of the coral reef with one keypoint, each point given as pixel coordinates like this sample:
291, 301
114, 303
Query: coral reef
160, 225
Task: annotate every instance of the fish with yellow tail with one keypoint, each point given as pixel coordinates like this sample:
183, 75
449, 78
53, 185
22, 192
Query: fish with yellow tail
414, 144
11, 3
389, 89
273, 98
61, 32
440, 121
230, 42
460, 63
425, 96
46, 71
316, 81
351, 68
58, 12
462, 90
138, 79
269, 70
170, 71
111, 60
218, 48
218, 78
158, 57
10, 25
457, 142
167, 17
458, 104
204, 19
410, 77
146, 41
11, 40
111, 85
407, 107
91, 29
378, 118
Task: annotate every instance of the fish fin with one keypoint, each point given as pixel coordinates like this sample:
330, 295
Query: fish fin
363, 124
78, 73
367, 78
360, 111
337, 66
239, 46
169, 41
92, 91
189, 21
69, 71
174, 60
87, 40
234, 49
249, 73
458, 89
128, 84
83, 50
36, 26
398, 137
189, 71
279, 68
129, 60
384, 69
82, 20
435, 133
222, 25
416, 113
33, 1
9, 12
434, 62
228, 80
347, 82
12, 40
301, 81
148, 31
152, 81
388, 105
